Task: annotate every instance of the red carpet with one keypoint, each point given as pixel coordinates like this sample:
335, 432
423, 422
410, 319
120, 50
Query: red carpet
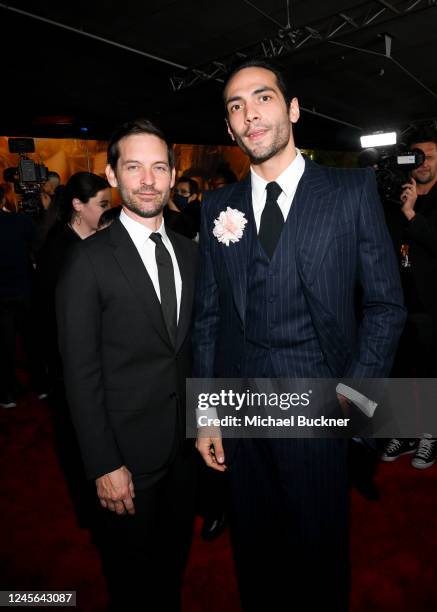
394, 547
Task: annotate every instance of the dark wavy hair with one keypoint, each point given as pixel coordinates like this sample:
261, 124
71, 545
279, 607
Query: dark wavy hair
266, 65
81, 185
422, 133
137, 126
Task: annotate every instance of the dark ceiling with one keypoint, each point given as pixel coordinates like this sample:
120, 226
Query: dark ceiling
56, 80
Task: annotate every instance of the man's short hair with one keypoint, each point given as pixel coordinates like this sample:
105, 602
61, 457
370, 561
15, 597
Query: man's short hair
194, 185
137, 126
424, 133
53, 175
261, 63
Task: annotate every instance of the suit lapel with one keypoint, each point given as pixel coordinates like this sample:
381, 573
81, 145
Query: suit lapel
315, 201
136, 274
236, 254
187, 296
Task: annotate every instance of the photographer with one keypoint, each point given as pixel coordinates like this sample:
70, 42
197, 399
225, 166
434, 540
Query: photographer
414, 232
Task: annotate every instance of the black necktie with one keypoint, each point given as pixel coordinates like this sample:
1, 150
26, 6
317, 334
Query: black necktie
167, 286
272, 220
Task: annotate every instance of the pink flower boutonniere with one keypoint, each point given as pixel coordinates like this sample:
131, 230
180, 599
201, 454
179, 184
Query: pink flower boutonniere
229, 226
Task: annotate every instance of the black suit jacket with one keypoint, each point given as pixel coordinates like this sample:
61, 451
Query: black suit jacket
125, 381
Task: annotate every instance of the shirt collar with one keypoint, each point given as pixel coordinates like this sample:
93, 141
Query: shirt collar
287, 180
139, 232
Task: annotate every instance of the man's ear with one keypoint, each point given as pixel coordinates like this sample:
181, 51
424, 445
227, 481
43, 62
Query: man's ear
173, 177
110, 175
230, 132
294, 111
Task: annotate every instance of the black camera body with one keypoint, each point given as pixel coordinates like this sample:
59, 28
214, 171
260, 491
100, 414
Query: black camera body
393, 169
28, 176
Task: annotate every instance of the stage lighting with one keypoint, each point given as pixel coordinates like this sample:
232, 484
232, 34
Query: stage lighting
380, 139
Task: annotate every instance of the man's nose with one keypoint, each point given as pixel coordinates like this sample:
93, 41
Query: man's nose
252, 113
147, 176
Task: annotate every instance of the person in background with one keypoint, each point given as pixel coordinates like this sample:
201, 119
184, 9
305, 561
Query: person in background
79, 205
182, 213
223, 176
45, 212
48, 189
5, 206
16, 278
413, 228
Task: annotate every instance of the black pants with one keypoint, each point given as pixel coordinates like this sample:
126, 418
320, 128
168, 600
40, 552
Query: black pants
10, 317
18, 318
289, 524
144, 555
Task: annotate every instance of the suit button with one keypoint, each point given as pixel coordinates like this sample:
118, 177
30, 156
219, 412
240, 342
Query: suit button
173, 395
272, 298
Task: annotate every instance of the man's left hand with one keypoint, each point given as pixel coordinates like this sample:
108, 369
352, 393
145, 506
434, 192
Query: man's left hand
344, 403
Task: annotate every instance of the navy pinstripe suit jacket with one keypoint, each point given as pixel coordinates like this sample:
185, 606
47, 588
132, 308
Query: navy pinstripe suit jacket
341, 242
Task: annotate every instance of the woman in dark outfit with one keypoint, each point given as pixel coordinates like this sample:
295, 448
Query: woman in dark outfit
80, 204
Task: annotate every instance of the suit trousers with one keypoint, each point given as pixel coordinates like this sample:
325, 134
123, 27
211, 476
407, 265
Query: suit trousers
144, 555
289, 524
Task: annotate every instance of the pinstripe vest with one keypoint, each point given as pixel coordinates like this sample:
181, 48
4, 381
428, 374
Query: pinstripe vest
280, 338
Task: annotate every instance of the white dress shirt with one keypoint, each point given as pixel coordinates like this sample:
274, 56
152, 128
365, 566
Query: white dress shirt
139, 234
287, 181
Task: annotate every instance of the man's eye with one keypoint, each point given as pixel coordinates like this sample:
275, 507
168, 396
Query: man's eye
265, 98
132, 167
235, 107
161, 168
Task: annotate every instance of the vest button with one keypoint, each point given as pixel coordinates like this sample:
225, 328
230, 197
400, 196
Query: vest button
272, 298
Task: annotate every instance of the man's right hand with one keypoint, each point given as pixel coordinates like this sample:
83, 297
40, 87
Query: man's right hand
409, 198
211, 449
116, 491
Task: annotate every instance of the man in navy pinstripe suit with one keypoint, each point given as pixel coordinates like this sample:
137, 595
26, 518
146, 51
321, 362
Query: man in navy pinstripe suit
276, 299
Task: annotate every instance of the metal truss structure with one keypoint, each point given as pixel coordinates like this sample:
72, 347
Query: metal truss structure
290, 39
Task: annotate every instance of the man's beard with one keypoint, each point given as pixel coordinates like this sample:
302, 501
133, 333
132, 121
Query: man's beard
424, 180
281, 138
154, 208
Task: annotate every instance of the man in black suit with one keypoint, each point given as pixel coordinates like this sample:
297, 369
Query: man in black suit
124, 306
281, 254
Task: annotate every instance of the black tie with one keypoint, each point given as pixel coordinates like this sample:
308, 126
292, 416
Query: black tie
167, 286
272, 220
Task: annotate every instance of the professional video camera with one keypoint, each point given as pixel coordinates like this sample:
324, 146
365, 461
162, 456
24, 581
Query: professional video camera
28, 176
393, 168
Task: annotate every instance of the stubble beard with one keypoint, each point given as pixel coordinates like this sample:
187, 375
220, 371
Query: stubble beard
153, 208
429, 178
281, 138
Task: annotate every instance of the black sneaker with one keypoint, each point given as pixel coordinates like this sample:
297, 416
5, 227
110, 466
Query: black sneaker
426, 453
397, 447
